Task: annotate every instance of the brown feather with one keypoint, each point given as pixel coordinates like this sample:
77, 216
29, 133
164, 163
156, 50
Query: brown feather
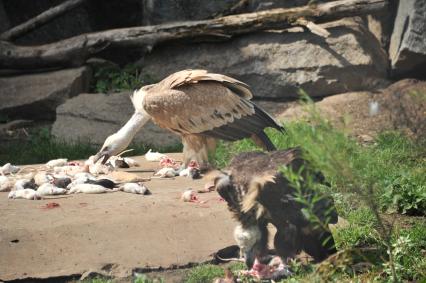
257, 192
195, 102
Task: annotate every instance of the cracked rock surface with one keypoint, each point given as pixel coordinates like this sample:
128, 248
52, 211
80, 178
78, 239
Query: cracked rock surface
277, 64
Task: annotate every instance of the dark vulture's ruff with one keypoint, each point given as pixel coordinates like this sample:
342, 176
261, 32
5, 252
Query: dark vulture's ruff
257, 194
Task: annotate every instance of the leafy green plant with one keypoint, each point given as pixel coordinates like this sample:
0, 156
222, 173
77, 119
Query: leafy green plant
112, 79
97, 280
145, 279
360, 176
406, 194
408, 252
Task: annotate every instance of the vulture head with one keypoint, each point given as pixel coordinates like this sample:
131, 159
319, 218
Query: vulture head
258, 194
113, 145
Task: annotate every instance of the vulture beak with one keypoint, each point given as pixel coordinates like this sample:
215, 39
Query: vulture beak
102, 153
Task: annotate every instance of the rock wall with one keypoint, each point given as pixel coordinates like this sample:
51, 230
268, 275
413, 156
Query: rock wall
401, 106
36, 96
407, 50
277, 64
94, 117
358, 57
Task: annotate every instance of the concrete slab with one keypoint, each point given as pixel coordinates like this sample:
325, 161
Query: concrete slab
112, 232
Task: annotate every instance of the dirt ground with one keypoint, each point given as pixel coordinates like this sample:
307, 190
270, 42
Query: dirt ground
113, 233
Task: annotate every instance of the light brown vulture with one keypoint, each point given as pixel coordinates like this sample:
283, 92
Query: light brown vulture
200, 107
257, 193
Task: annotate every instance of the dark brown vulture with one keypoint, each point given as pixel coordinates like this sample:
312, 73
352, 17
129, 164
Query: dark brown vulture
257, 193
200, 107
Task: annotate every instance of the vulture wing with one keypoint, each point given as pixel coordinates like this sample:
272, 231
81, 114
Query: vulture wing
197, 102
253, 167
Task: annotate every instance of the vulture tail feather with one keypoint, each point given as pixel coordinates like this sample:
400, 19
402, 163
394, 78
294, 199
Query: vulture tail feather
268, 120
262, 140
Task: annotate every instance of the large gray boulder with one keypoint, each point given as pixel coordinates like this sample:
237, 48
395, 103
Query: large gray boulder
277, 64
94, 116
401, 106
36, 96
407, 49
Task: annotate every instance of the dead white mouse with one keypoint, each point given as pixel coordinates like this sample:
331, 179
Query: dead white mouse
69, 170
77, 181
166, 172
9, 169
86, 175
87, 189
189, 196
24, 194
116, 162
131, 162
42, 177
191, 172
57, 162
24, 184
121, 162
98, 168
48, 189
81, 178
154, 156
135, 188
5, 184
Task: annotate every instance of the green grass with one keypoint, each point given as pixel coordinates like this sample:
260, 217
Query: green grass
368, 182
395, 165
389, 175
42, 147
98, 280
113, 79
207, 272
359, 231
146, 279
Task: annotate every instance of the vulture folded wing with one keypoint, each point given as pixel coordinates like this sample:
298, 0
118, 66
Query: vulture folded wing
194, 76
196, 102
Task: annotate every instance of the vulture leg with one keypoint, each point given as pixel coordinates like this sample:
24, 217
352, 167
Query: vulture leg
211, 145
287, 241
196, 147
260, 248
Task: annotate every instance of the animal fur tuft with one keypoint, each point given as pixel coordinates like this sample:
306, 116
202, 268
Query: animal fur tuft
247, 237
250, 200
